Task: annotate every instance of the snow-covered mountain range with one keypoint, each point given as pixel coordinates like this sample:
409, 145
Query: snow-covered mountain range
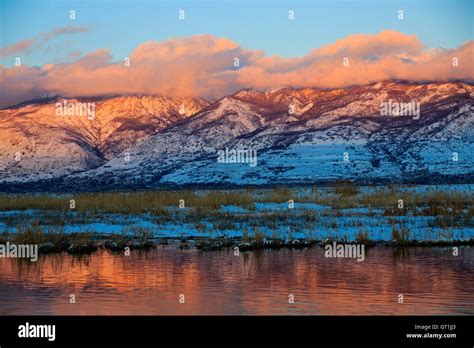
299, 136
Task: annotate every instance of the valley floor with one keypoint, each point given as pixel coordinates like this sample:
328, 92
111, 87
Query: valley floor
251, 218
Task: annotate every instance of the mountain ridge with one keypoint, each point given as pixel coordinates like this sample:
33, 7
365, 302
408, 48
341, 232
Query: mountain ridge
300, 135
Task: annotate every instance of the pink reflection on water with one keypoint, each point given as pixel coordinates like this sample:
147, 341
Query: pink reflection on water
257, 283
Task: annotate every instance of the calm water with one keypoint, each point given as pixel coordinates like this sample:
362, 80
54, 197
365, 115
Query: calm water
431, 280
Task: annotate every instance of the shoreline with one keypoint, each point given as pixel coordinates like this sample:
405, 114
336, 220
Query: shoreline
80, 244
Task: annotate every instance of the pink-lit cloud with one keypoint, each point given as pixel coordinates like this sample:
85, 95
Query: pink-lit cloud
26, 45
21, 46
203, 65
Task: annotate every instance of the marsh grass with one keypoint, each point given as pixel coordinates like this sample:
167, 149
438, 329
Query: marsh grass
34, 233
363, 237
401, 234
154, 201
346, 189
449, 209
128, 202
343, 196
258, 236
279, 195
25, 202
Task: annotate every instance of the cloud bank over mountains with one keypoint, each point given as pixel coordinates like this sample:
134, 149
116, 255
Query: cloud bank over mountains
204, 66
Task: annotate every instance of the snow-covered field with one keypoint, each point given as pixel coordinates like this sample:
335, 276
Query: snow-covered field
302, 212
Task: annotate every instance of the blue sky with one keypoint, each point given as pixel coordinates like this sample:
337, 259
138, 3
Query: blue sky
120, 26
